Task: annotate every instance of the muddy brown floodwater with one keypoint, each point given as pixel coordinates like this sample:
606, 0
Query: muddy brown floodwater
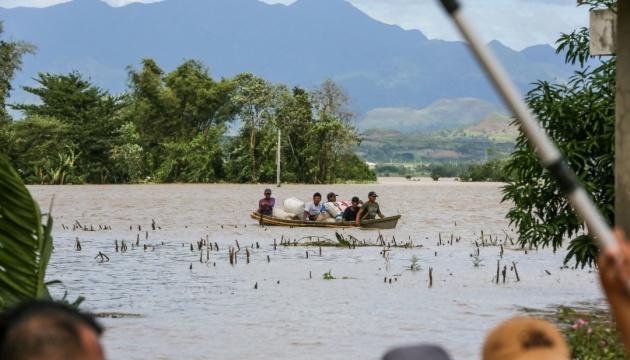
214, 310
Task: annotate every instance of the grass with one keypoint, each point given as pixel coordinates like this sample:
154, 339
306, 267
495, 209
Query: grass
590, 333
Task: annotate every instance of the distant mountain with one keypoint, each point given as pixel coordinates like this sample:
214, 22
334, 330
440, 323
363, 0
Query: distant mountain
494, 126
380, 65
443, 114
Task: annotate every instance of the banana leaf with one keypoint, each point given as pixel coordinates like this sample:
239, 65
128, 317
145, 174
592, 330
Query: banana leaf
25, 242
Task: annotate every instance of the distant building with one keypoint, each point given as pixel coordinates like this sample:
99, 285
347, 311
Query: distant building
370, 165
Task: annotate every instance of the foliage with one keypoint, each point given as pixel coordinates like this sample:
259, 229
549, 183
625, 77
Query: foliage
579, 117
90, 114
328, 275
591, 335
41, 147
173, 127
341, 240
492, 170
317, 139
11, 53
196, 161
25, 241
440, 170
391, 170
127, 155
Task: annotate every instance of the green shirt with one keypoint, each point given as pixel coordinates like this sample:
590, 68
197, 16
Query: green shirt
370, 210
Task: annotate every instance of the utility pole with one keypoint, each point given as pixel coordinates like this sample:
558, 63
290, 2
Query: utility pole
622, 123
278, 160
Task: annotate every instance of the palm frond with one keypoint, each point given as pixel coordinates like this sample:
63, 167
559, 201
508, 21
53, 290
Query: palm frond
25, 243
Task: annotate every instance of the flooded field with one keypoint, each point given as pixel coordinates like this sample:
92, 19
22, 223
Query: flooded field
279, 306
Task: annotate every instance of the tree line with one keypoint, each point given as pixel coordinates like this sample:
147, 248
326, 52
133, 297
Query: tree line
181, 126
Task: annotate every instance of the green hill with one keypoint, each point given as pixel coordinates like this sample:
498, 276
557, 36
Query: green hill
443, 114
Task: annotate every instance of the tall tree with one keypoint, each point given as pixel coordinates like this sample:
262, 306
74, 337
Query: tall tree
11, 53
579, 117
295, 118
41, 148
255, 99
170, 110
332, 130
90, 112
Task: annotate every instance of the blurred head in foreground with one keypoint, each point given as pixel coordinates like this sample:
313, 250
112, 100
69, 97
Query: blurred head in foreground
525, 338
48, 330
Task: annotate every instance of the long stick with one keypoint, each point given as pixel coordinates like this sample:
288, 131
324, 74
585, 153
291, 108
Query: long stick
278, 160
550, 156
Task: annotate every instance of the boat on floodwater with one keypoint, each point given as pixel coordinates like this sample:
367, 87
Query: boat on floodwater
388, 222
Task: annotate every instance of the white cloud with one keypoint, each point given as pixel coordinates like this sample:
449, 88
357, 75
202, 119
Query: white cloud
516, 23
45, 3
29, 3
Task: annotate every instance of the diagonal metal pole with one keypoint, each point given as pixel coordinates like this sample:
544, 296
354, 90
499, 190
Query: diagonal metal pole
549, 154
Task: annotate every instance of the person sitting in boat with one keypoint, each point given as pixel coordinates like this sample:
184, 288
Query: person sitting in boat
333, 208
350, 214
266, 204
370, 209
313, 209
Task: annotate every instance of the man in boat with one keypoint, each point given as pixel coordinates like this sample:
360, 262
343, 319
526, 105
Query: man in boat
350, 214
370, 209
266, 204
313, 209
333, 207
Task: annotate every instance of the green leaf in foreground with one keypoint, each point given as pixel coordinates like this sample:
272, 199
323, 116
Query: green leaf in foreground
25, 242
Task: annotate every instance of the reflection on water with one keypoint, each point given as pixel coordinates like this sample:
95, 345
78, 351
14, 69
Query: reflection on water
214, 311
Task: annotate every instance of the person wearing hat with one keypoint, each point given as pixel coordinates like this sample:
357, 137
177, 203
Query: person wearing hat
524, 338
350, 214
333, 208
370, 209
266, 204
519, 338
313, 209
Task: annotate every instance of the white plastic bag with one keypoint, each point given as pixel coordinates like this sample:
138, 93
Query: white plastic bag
294, 206
281, 214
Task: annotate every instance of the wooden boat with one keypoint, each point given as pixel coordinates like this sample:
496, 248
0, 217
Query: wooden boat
384, 223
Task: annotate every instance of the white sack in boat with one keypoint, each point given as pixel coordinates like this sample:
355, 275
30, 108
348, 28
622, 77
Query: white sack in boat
281, 214
294, 206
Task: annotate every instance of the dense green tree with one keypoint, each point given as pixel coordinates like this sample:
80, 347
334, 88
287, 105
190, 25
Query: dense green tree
127, 155
153, 110
255, 99
332, 137
170, 110
198, 161
172, 127
491, 170
90, 112
42, 151
294, 118
579, 117
11, 53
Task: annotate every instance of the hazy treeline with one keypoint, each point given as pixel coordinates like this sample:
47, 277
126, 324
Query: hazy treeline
174, 127
491, 170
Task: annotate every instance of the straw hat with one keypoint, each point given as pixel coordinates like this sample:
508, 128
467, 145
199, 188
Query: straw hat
525, 338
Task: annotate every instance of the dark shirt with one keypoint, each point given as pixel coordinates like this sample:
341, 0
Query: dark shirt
265, 206
370, 210
350, 214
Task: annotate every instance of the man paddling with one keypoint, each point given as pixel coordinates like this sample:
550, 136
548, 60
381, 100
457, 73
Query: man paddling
370, 209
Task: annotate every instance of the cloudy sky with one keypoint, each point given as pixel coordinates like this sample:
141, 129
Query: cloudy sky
516, 23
